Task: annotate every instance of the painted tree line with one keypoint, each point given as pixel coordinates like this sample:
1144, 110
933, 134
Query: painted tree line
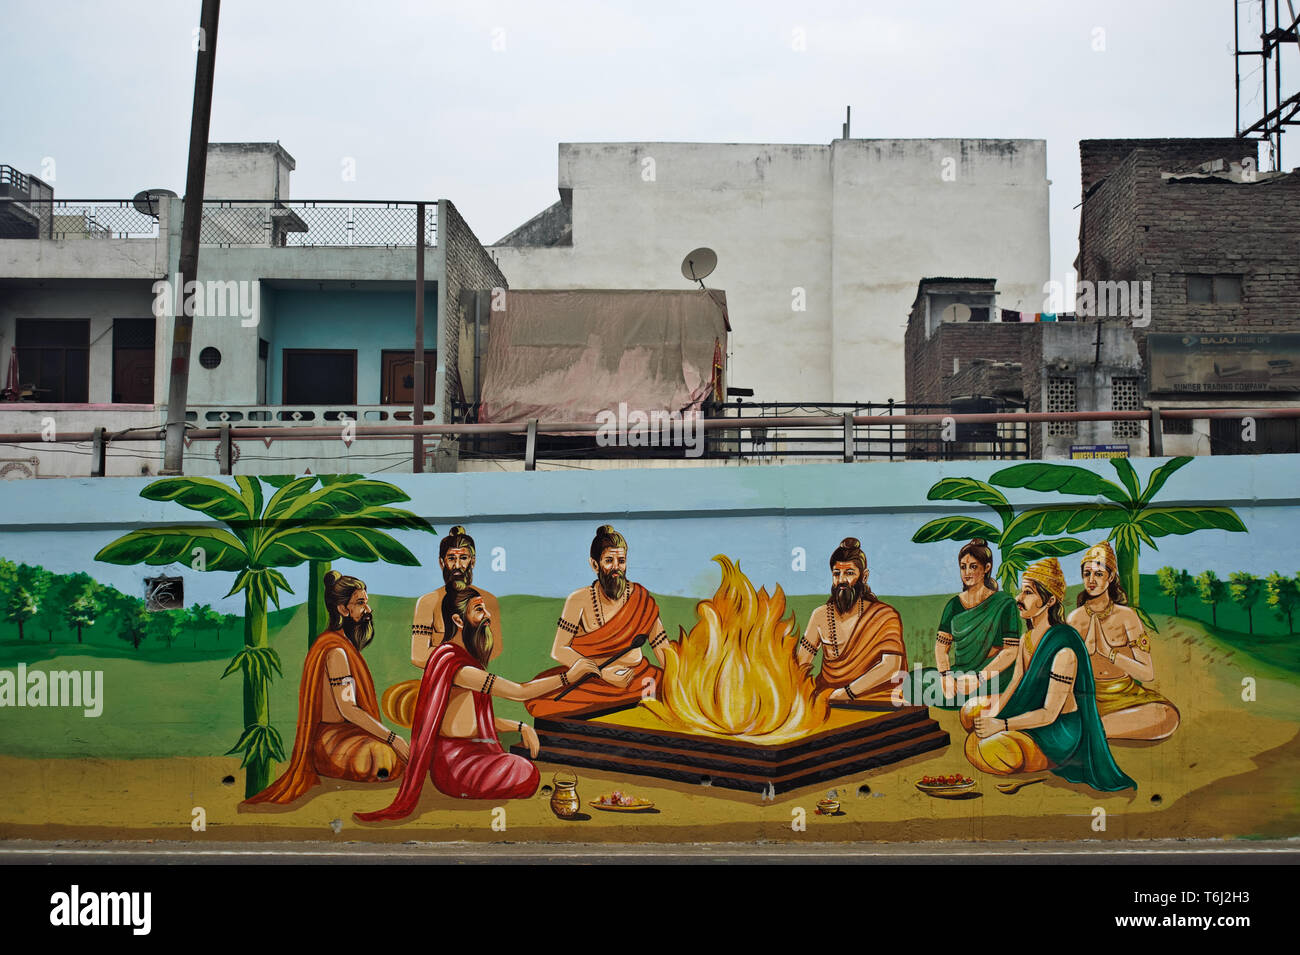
33, 598
1277, 591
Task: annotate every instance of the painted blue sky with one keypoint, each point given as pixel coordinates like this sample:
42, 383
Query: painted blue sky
675, 521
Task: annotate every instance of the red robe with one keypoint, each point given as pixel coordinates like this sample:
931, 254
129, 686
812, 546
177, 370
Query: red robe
635, 617
469, 769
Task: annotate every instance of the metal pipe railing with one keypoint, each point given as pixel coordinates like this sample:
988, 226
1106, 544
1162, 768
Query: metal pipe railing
406, 431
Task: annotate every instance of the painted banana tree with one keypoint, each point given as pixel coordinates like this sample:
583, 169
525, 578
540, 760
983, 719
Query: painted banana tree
1012, 539
1130, 517
344, 518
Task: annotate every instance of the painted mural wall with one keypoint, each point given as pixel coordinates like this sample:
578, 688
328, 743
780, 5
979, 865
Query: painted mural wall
911, 651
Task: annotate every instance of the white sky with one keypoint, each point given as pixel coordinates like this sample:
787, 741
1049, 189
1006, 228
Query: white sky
417, 95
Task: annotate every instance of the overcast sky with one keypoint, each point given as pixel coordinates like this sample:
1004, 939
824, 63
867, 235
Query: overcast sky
469, 100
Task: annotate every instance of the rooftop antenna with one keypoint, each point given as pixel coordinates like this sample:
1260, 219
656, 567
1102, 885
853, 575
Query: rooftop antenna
699, 264
848, 115
147, 201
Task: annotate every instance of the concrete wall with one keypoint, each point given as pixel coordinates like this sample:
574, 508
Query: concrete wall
468, 268
852, 225
154, 752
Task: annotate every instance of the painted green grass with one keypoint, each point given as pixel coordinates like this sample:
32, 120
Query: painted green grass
161, 702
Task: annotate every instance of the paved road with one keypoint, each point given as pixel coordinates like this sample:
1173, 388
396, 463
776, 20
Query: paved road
1168, 852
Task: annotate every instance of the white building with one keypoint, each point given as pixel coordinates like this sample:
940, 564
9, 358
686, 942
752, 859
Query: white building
819, 247
305, 317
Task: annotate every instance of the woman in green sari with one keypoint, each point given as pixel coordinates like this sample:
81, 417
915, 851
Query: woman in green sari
979, 631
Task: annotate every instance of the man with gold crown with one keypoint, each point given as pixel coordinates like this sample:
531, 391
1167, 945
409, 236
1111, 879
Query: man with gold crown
1047, 717
1120, 653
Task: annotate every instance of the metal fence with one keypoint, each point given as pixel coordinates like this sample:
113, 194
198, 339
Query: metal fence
316, 224
66, 219
761, 433
228, 222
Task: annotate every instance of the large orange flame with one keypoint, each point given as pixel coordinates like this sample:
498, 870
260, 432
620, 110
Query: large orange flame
735, 674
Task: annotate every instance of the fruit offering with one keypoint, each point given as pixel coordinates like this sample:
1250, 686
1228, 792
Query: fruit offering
955, 779
617, 798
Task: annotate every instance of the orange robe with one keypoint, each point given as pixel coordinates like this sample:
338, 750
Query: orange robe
337, 750
879, 631
634, 618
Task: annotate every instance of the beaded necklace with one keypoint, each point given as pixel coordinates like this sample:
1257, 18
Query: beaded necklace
595, 602
830, 619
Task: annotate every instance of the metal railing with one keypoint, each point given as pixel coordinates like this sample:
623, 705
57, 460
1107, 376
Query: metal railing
64, 219
228, 223
303, 223
757, 431
226, 434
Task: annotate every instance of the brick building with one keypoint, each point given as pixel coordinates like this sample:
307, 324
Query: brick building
1188, 296
1219, 242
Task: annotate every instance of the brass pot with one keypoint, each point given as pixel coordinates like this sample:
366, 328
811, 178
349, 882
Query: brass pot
564, 797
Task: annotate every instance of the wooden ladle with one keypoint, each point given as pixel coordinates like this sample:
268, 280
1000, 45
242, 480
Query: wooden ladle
1015, 787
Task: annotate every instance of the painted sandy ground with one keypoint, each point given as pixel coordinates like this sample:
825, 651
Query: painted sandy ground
1228, 772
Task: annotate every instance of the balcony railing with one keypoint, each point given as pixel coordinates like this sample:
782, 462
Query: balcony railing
316, 224
205, 416
229, 223
64, 219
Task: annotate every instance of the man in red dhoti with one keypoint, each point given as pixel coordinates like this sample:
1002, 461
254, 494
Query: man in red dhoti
339, 732
599, 621
454, 731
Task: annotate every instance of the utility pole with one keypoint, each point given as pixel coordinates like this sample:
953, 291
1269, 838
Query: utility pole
417, 413
182, 321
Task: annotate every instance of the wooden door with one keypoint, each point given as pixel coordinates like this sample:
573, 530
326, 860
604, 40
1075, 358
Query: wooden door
397, 377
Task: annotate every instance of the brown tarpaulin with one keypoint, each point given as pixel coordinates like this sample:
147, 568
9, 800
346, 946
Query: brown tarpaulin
567, 355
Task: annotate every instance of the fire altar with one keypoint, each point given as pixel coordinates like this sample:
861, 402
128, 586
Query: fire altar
737, 711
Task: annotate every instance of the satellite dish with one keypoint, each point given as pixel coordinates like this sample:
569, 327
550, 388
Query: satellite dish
147, 201
956, 312
699, 264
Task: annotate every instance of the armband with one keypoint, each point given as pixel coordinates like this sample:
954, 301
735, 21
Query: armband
567, 627
392, 736
487, 684
810, 647
1061, 678
1011, 641
659, 640
943, 641
564, 679
1143, 642
848, 691
340, 680
423, 629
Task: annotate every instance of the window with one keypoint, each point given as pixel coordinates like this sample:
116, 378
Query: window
1060, 399
133, 358
1125, 395
54, 359
318, 376
1176, 425
1270, 436
1206, 289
